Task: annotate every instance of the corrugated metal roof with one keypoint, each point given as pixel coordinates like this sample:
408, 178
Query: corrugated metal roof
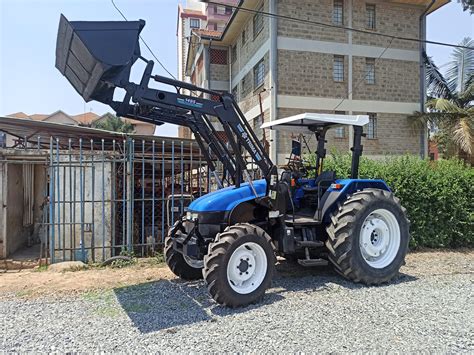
35, 131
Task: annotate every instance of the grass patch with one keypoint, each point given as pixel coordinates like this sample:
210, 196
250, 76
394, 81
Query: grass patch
41, 268
24, 293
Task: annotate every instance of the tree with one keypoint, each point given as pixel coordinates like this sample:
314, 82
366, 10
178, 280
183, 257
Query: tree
467, 5
115, 124
450, 99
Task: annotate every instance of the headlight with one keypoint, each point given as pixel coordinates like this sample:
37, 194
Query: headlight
191, 216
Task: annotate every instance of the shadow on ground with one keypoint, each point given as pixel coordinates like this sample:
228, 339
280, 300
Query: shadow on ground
171, 303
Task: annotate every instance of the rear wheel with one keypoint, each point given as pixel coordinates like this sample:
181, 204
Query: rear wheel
368, 237
239, 265
181, 265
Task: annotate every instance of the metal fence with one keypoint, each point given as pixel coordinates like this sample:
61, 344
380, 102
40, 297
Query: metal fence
107, 197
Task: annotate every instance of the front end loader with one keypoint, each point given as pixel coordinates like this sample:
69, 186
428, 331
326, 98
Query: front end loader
231, 237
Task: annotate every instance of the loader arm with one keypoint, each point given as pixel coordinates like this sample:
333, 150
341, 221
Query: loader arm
97, 57
204, 133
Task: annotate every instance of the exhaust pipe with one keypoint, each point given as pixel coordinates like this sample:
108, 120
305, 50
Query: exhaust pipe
97, 56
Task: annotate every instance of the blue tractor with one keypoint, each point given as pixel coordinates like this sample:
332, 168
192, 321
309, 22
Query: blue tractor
231, 237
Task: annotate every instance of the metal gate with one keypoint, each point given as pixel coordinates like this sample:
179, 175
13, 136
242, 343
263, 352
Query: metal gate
108, 197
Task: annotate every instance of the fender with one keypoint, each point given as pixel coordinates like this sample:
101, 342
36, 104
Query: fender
333, 196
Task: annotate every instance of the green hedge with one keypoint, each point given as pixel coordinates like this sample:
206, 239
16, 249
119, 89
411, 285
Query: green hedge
438, 196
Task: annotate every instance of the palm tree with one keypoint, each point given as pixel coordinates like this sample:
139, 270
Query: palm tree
467, 5
450, 99
114, 124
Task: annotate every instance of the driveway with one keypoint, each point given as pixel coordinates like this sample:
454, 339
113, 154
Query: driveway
430, 307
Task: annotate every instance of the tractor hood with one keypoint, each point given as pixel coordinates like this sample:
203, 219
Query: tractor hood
96, 56
227, 198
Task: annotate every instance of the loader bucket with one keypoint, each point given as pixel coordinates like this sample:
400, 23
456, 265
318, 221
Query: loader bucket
97, 56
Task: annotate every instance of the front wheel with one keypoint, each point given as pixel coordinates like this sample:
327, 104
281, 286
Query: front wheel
368, 237
239, 265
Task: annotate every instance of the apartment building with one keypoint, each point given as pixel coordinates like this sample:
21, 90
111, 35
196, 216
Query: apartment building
285, 67
199, 18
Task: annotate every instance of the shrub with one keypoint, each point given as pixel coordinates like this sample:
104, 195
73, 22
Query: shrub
438, 196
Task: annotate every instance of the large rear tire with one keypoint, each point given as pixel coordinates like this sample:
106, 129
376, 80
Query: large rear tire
239, 265
181, 266
368, 237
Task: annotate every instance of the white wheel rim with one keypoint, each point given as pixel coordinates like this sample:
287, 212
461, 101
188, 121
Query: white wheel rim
380, 238
197, 264
247, 268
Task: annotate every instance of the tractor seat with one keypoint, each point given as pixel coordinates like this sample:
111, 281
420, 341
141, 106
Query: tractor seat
325, 179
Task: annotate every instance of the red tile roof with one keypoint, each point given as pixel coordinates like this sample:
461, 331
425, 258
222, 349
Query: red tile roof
19, 115
85, 118
186, 13
38, 117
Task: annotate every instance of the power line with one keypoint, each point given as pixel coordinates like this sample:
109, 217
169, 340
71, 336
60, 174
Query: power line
317, 23
144, 42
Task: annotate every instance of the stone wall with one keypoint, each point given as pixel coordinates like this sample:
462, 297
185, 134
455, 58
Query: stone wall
395, 80
219, 72
395, 135
392, 18
318, 11
248, 95
309, 74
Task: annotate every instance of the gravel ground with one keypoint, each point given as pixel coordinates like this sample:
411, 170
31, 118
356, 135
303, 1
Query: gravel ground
306, 310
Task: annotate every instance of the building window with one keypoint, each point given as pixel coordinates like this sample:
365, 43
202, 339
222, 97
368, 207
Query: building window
244, 37
194, 23
218, 56
3, 140
340, 132
370, 10
372, 126
233, 53
338, 13
246, 85
220, 10
257, 22
370, 70
228, 10
258, 74
338, 69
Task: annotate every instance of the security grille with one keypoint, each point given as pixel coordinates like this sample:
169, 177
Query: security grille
218, 56
340, 132
259, 74
338, 70
257, 22
372, 126
370, 9
370, 70
338, 13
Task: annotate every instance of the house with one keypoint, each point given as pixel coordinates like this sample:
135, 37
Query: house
294, 66
87, 119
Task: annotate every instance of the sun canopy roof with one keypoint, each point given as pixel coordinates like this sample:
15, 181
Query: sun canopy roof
304, 122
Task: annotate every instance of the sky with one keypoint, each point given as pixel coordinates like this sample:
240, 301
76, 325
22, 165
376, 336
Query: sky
29, 81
